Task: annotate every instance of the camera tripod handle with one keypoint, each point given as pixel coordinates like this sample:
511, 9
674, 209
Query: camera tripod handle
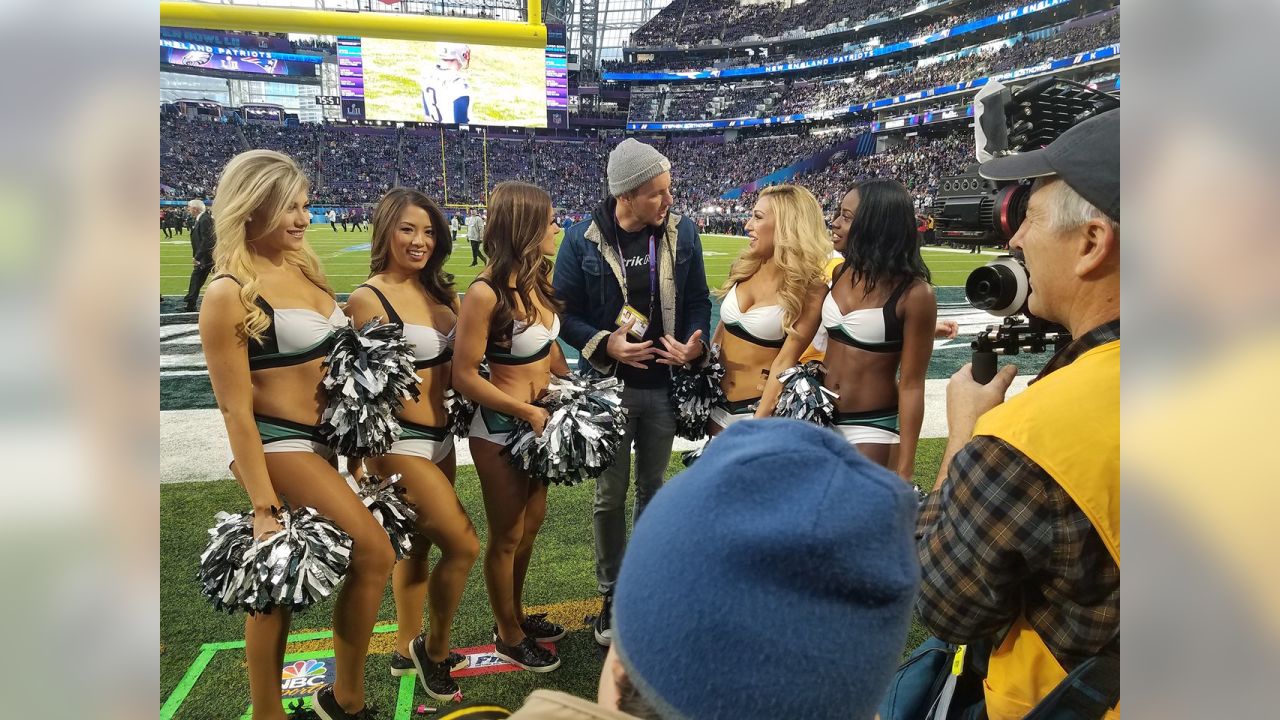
984, 366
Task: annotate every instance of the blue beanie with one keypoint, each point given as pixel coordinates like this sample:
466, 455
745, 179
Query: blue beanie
772, 579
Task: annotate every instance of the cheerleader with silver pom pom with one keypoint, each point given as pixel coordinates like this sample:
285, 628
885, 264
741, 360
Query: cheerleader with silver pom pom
510, 318
267, 321
411, 490
772, 302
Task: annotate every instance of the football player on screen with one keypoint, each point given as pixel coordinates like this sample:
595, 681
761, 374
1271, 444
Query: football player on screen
446, 94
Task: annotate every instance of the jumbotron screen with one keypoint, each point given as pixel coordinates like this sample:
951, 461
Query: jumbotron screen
445, 82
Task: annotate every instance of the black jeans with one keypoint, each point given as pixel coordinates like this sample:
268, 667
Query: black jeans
199, 274
651, 426
476, 253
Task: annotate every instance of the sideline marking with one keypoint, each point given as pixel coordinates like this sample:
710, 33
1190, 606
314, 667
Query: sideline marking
569, 613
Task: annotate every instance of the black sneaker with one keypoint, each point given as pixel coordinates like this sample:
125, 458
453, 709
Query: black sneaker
603, 623
434, 676
528, 654
402, 666
436, 680
326, 706
298, 711
539, 628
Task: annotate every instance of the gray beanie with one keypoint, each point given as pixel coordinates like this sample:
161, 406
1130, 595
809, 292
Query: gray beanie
633, 164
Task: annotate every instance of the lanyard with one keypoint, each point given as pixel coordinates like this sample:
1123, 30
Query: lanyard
653, 268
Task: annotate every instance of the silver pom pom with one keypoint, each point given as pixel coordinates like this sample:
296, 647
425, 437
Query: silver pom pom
695, 390
385, 499
293, 569
803, 397
368, 376
460, 412
581, 437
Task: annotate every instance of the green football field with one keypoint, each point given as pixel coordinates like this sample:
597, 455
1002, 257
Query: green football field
345, 256
561, 581
202, 657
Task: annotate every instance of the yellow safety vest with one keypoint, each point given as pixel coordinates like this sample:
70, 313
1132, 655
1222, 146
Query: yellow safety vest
1069, 424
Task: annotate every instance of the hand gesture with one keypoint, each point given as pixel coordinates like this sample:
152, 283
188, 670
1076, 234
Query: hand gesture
627, 352
946, 329
677, 353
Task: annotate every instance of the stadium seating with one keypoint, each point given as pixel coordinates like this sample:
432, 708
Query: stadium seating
700, 101
697, 22
903, 29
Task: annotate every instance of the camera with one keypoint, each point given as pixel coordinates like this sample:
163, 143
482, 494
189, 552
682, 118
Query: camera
972, 210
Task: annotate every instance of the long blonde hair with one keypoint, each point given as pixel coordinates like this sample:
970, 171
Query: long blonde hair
801, 246
261, 182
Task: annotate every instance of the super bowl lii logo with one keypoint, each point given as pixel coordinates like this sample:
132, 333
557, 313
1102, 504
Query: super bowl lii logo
302, 678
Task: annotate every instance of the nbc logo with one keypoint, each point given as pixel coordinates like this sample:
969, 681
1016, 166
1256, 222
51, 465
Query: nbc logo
302, 674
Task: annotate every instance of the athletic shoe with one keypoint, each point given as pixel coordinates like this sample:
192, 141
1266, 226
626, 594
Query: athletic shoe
604, 621
434, 676
539, 628
402, 666
326, 706
298, 711
528, 654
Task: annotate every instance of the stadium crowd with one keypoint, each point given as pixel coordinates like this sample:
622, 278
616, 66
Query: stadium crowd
704, 57
838, 88
697, 22
570, 170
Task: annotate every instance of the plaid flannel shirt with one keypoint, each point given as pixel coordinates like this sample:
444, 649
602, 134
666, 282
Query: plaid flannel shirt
1000, 537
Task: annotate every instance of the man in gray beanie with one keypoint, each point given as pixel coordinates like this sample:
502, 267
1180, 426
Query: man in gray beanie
635, 304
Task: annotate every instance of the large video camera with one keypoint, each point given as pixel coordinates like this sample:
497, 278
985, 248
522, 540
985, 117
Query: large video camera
972, 210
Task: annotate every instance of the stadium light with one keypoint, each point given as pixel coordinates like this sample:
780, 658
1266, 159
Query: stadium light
532, 34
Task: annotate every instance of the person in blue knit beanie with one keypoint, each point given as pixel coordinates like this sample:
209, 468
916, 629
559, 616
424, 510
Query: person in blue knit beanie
772, 579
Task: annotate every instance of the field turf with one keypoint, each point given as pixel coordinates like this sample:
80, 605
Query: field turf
561, 576
345, 256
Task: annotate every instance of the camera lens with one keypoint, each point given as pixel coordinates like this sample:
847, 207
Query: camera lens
1010, 209
1000, 287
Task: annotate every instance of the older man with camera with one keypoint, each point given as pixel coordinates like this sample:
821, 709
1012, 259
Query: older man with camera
1019, 542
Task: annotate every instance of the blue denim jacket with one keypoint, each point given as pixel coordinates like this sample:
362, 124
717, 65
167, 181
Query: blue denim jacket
589, 281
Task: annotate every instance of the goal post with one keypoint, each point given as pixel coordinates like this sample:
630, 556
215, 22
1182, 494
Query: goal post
531, 34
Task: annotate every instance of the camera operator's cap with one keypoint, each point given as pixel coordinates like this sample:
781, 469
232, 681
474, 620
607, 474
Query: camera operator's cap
1086, 157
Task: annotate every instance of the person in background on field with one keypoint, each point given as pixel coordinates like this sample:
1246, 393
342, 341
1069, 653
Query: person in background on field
475, 235
332, 217
202, 242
